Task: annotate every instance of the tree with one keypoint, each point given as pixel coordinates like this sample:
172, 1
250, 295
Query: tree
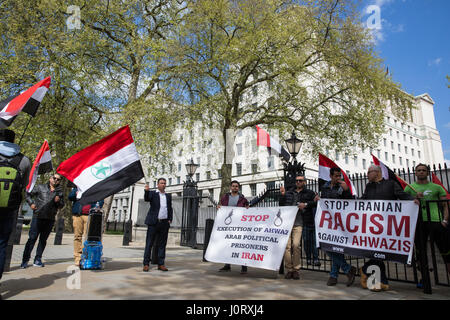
35, 43
303, 65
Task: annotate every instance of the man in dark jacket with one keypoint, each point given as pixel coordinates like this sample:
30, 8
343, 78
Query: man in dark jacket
305, 200
233, 199
381, 189
80, 215
44, 200
337, 189
9, 153
158, 220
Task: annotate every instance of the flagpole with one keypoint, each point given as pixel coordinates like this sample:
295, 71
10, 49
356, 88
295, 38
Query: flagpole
26, 127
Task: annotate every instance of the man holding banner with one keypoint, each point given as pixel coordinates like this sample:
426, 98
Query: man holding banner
338, 189
380, 189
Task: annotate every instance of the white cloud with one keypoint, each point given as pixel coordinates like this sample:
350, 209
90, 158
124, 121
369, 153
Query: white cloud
434, 62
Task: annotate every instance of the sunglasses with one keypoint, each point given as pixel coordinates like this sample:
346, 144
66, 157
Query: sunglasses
300, 180
56, 179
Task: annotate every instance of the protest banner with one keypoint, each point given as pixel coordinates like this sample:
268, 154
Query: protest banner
380, 229
255, 237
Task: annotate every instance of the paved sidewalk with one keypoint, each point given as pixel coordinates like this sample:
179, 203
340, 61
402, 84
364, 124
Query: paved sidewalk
188, 279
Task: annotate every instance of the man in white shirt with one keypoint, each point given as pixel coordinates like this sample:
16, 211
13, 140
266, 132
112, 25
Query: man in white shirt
158, 220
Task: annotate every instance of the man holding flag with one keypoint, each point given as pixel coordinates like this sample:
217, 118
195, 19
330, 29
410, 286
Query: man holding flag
335, 188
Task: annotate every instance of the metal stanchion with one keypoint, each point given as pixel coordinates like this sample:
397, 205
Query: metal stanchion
59, 231
127, 233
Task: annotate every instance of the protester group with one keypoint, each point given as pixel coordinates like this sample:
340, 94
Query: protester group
46, 199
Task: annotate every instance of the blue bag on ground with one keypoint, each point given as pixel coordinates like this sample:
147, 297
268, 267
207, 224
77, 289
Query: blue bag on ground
91, 258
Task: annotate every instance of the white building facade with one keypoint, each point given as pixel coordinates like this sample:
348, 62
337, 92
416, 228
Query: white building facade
403, 145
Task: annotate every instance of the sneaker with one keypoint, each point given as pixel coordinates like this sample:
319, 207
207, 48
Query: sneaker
351, 276
332, 281
38, 263
316, 263
385, 287
225, 268
363, 280
243, 270
24, 265
308, 262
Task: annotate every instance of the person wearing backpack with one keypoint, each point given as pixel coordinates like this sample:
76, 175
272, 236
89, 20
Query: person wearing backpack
14, 174
44, 200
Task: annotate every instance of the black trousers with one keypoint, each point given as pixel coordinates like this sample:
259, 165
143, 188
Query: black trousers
161, 231
39, 228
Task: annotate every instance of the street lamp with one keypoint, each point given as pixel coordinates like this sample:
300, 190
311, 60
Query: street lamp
293, 168
191, 167
189, 220
293, 144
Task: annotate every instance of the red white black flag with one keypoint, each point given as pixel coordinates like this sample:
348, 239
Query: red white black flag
265, 140
388, 174
105, 167
27, 101
42, 164
325, 164
436, 180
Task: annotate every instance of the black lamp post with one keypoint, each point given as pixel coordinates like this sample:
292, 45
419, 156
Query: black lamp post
190, 207
293, 168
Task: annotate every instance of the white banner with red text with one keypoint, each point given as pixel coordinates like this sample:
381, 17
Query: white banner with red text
378, 229
254, 237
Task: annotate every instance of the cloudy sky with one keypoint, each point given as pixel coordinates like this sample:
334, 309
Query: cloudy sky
414, 40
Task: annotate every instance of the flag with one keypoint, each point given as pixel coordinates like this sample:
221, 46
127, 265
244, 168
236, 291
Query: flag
265, 140
388, 174
28, 101
105, 167
325, 164
42, 164
436, 180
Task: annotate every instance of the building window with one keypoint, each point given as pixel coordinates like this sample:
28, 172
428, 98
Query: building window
406, 150
364, 163
378, 153
392, 145
418, 153
393, 158
154, 184
208, 175
414, 164
170, 181
197, 176
219, 173
178, 180
398, 135
346, 158
400, 160
179, 166
239, 169
404, 137
417, 142
253, 189
211, 192
270, 185
355, 160
412, 152
415, 130
407, 163
254, 168
386, 156
239, 148
411, 140
399, 148
385, 142
337, 155
270, 163
390, 132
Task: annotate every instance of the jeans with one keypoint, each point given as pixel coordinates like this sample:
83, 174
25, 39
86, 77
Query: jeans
161, 231
309, 242
6, 228
39, 228
338, 262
